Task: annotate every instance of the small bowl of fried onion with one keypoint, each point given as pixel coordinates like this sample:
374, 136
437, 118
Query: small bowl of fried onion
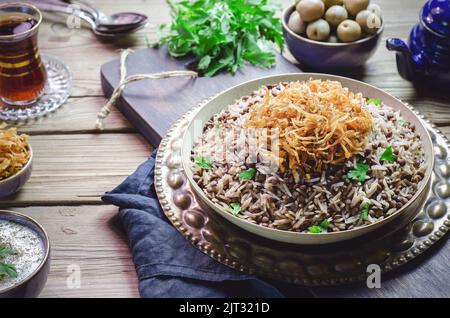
16, 158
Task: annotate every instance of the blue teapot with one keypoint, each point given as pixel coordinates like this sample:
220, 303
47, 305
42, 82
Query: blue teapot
427, 58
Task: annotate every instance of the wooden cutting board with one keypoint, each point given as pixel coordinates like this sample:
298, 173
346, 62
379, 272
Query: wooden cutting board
153, 105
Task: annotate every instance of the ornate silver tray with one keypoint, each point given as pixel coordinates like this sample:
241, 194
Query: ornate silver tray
330, 264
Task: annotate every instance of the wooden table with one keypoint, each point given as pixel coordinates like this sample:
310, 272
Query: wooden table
75, 164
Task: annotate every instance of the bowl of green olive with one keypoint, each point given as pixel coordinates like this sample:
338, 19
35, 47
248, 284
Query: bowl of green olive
331, 35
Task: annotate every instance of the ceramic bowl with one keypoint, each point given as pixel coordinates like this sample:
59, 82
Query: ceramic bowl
324, 56
32, 285
218, 103
14, 183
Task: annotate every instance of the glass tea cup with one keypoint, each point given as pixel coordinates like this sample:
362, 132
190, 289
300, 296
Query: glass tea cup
22, 72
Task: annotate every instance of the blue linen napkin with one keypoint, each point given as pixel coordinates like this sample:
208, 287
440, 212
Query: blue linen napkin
166, 263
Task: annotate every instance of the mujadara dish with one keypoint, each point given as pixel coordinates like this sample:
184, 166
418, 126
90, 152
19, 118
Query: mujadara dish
309, 157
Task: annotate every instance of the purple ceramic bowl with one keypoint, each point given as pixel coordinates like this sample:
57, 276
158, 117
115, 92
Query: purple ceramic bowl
325, 56
14, 183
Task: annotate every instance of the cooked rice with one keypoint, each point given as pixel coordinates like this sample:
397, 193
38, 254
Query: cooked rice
276, 200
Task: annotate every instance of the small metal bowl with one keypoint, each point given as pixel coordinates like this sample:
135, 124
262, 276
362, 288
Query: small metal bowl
14, 183
392, 222
32, 285
325, 56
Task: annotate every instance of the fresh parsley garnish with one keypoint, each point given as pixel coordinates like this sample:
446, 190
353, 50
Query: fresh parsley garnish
401, 122
324, 225
235, 208
388, 155
374, 101
203, 162
4, 251
8, 270
217, 127
224, 34
315, 229
248, 174
364, 216
321, 228
359, 173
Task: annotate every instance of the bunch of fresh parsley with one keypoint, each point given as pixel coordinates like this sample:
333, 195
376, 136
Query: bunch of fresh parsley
224, 34
7, 269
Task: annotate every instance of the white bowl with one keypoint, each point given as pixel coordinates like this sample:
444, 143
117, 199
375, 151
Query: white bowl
228, 97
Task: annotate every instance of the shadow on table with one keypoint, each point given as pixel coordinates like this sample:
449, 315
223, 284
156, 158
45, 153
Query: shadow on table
410, 280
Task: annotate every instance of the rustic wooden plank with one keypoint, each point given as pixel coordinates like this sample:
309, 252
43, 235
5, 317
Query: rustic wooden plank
78, 169
88, 237
78, 115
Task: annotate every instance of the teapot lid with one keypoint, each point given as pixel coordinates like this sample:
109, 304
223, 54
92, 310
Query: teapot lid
436, 15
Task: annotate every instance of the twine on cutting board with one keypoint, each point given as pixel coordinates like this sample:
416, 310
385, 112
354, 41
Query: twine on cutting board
124, 80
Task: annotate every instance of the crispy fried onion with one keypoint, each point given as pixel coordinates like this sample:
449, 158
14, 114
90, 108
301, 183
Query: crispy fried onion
319, 122
14, 152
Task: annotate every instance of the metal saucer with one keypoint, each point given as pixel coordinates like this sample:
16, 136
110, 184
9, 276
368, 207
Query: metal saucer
325, 265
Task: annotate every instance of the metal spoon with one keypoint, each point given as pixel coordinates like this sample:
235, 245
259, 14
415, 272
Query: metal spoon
105, 23
100, 31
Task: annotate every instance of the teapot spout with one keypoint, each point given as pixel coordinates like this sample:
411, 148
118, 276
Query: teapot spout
405, 62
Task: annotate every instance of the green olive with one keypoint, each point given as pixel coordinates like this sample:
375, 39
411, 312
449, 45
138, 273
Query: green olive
330, 3
335, 15
333, 39
349, 31
375, 8
368, 21
318, 30
354, 6
296, 24
310, 10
